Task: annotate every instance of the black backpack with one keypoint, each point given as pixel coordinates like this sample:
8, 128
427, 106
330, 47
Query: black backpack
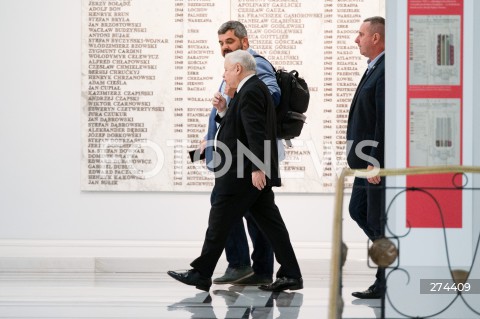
293, 103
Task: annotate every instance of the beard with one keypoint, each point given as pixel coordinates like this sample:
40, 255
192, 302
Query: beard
226, 51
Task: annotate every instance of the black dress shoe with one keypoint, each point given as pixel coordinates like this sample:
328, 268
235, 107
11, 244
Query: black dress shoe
370, 293
282, 284
192, 278
254, 280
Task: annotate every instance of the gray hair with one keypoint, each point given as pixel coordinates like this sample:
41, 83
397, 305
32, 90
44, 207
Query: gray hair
244, 58
377, 25
237, 27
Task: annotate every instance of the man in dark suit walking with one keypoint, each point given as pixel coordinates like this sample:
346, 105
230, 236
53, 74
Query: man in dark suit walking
241, 270
365, 140
246, 172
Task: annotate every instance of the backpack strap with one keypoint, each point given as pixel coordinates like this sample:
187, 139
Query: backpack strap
261, 56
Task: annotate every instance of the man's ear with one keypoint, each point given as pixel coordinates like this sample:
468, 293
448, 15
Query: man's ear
245, 43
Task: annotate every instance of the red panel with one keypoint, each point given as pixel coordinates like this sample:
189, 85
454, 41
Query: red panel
422, 210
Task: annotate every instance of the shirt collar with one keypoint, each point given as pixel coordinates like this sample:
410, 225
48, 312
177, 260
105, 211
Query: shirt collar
371, 63
242, 82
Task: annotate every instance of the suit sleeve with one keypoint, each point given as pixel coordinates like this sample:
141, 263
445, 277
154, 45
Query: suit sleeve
377, 152
253, 117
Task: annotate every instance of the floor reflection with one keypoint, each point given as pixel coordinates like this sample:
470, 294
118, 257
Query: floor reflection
374, 304
144, 295
241, 302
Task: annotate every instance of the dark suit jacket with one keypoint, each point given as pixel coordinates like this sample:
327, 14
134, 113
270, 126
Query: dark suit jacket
366, 119
248, 122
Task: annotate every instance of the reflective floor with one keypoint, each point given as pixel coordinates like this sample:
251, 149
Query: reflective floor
156, 295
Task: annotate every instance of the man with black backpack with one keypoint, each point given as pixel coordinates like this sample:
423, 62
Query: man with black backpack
232, 36
293, 103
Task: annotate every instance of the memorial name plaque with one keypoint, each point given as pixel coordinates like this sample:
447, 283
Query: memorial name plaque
150, 68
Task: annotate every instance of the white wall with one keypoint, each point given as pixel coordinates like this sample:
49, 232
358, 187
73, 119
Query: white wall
42, 210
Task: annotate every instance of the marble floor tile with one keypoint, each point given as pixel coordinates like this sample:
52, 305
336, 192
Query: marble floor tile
156, 295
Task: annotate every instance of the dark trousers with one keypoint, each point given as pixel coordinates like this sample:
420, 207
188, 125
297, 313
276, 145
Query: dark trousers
229, 209
237, 250
367, 208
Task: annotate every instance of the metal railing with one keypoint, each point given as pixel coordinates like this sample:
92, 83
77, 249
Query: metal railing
335, 307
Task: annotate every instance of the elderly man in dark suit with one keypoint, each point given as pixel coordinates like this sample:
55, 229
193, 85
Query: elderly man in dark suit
365, 137
246, 149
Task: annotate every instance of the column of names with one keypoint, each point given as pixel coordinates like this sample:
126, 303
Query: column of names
346, 75
121, 60
196, 69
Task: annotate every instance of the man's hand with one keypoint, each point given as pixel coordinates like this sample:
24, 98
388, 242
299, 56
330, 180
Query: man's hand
258, 179
219, 102
375, 179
